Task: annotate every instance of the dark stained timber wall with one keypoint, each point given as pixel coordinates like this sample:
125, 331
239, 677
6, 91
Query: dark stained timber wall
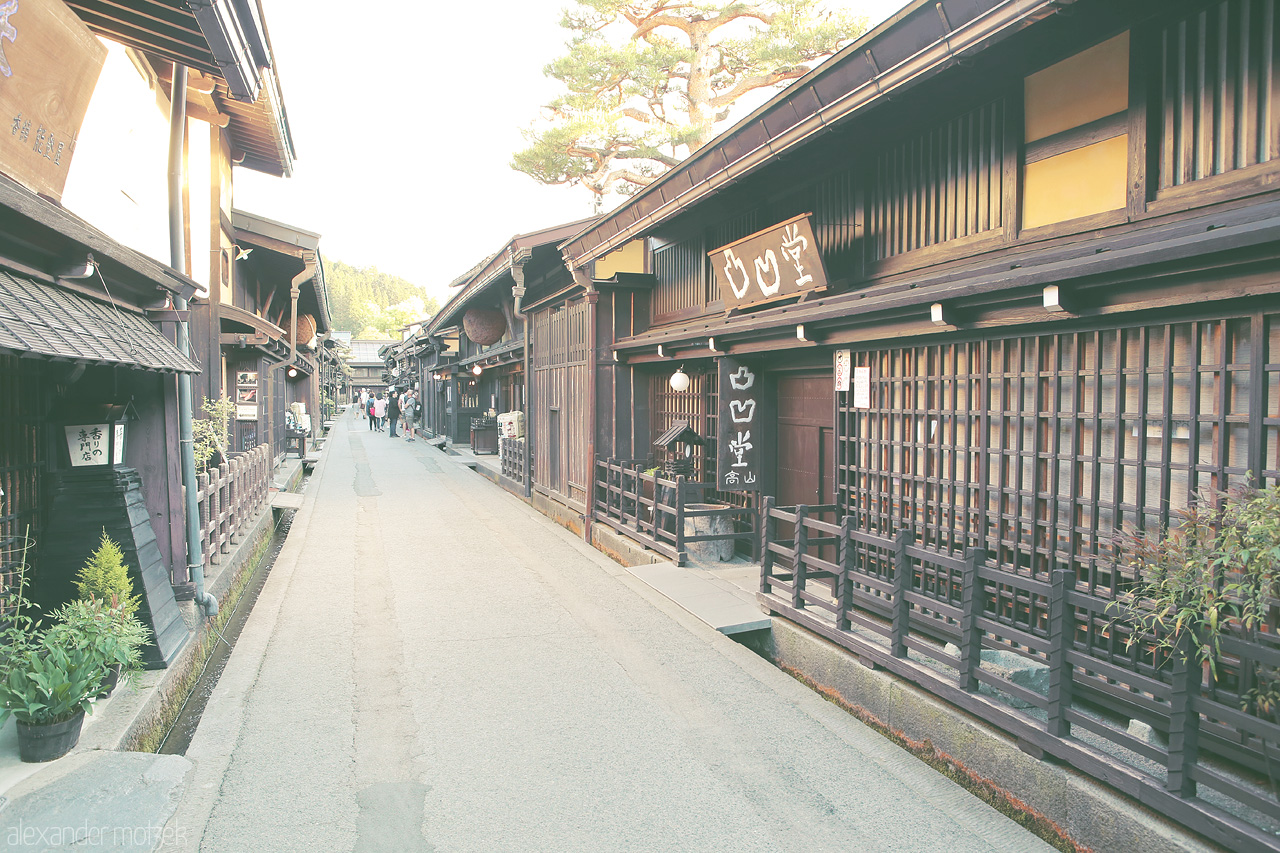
1218, 91
943, 184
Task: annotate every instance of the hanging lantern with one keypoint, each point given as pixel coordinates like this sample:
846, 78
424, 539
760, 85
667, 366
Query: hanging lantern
680, 380
484, 326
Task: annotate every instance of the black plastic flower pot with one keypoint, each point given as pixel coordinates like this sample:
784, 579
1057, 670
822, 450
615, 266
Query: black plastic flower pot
47, 741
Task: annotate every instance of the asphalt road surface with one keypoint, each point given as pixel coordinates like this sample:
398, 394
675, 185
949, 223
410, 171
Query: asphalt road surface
435, 666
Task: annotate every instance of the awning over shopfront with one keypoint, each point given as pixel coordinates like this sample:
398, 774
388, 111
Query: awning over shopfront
46, 320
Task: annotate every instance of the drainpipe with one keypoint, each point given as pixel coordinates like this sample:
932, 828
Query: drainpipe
592, 296
295, 287
178, 260
518, 260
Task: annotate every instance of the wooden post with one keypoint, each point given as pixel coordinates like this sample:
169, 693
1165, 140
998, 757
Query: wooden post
679, 498
844, 593
902, 586
766, 538
801, 545
1184, 718
1062, 632
972, 597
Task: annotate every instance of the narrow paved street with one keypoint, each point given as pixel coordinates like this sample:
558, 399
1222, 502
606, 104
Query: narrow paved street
435, 666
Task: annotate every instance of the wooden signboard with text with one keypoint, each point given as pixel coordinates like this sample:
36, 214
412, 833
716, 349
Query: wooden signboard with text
742, 419
49, 65
780, 262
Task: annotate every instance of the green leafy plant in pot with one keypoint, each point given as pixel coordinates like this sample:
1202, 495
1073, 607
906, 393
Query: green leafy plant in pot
47, 681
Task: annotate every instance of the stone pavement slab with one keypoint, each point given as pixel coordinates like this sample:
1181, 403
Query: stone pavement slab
115, 801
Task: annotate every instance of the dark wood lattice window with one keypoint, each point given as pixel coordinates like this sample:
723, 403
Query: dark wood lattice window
1218, 90
22, 454
940, 185
696, 406
1039, 447
681, 271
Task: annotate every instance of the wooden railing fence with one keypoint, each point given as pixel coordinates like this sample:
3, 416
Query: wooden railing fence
928, 617
652, 509
231, 495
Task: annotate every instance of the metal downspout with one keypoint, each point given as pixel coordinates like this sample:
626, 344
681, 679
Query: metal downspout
178, 260
518, 260
295, 286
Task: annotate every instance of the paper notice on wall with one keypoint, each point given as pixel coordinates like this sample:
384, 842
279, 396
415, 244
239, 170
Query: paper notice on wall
862, 387
843, 360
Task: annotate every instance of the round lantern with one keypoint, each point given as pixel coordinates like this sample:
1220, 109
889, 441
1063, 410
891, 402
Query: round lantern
680, 380
485, 326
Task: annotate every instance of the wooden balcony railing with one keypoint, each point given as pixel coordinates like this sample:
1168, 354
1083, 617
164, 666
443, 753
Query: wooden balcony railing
232, 495
929, 617
653, 510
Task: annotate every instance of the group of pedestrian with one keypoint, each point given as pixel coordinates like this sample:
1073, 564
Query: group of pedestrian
384, 412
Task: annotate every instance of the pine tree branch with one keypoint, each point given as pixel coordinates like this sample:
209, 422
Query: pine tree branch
760, 81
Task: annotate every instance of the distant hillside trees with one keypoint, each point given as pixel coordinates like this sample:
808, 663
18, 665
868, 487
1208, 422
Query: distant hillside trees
372, 304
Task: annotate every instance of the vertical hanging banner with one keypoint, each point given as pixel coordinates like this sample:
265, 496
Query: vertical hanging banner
740, 430
49, 65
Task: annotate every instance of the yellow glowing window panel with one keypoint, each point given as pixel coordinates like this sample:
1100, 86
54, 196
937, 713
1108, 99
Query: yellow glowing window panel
1078, 183
1091, 85
629, 258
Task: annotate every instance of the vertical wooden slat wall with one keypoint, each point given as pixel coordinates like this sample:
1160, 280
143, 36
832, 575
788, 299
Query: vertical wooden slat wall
939, 185
1218, 87
561, 373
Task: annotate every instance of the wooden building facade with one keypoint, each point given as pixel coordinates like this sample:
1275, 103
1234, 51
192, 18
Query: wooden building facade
1043, 307
269, 278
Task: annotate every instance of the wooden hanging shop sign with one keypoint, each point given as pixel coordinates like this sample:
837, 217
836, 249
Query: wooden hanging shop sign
780, 262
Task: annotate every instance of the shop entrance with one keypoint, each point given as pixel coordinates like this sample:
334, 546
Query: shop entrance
806, 446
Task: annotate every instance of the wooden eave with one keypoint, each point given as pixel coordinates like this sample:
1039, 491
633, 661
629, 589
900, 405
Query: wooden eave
38, 237
291, 242
1228, 234
168, 32
260, 325
914, 45
497, 353
498, 265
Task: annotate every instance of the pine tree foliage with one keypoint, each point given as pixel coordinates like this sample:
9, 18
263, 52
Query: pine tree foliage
372, 304
105, 577
648, 82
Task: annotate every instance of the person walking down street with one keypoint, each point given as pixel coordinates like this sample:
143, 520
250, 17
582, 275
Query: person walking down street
371, 408
380, 411
364, 403
408, 411
393, 411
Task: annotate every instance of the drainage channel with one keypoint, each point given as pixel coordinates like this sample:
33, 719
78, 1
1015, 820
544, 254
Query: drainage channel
178, 738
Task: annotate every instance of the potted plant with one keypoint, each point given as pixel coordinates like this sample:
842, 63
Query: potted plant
106, 610
1215, 573
105, 577
47, 681
99, 627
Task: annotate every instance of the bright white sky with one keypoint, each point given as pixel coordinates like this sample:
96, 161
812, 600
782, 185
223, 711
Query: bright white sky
404, 120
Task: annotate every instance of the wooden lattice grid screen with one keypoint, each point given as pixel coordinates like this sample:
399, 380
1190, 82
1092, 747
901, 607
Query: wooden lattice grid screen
1037, 448
23, 451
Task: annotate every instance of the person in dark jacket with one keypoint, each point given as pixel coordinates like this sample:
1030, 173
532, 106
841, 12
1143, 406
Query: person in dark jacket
393, 411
